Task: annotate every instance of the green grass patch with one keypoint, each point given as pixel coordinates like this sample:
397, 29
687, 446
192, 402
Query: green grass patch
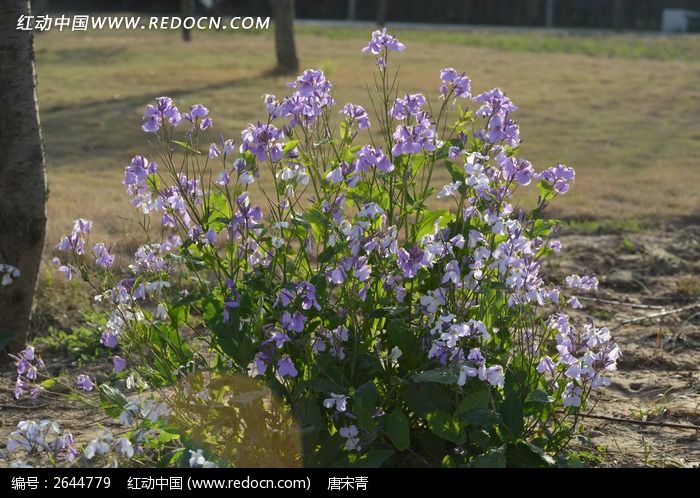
626, 46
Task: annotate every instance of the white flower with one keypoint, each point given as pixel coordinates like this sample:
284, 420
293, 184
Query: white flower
98, 446
352, 441
124, 447
340, 401
197, 460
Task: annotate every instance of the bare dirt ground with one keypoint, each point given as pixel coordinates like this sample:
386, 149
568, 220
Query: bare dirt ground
654, 274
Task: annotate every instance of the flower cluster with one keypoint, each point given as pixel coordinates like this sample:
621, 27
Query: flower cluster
28, 366
45, 437
340, 282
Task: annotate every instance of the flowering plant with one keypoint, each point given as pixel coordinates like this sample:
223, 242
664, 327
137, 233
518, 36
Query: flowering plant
377, 328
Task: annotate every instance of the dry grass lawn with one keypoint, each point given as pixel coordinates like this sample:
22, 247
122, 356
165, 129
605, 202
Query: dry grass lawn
629, 125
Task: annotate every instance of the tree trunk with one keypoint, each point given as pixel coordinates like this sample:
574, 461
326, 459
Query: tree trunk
619, 15
549, 14
382, 12
352, 10
185, 11
23, 190
283, 14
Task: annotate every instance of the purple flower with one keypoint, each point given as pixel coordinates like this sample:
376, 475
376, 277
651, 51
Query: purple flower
558, 176
546, 364
313, 93
259, 365
497, 108
65, 445
214, 151
68, 270
84, 383
572, 395
308, 296
460, 83
414, 139
119, 363
285, 296
261, 140
293, 322
357, 114
211, 236
76, 240
410, 105
286, 368
411, 261
136, 173
362, 271
164, 110
381, 41
102, 256
516, 169
345, 171
246, 218
198, 111
109, 339
232, 301
369, 156
278, 337
449, 190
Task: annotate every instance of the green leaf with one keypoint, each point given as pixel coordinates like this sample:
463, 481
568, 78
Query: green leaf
482, 417
396, 427
425, 398
365, 405
289, 146
474, 401
512, 408
373, 459
526, 455
186, 146
439, 375
539, 396
456, 172
178, 315
492, 459
445, 426
440, 216
546, 190
542, 228
49, 383
112, 400
325, 386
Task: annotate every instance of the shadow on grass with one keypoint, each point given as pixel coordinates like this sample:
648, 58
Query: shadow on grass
100, 129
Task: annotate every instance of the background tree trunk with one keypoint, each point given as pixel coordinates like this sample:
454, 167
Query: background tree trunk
22, 174
352, 10
283, 14
619, 15
186, 9
549, 14
382, 12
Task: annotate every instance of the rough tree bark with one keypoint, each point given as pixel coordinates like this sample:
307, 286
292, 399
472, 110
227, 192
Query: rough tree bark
283, 14
23, 189
186, 9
